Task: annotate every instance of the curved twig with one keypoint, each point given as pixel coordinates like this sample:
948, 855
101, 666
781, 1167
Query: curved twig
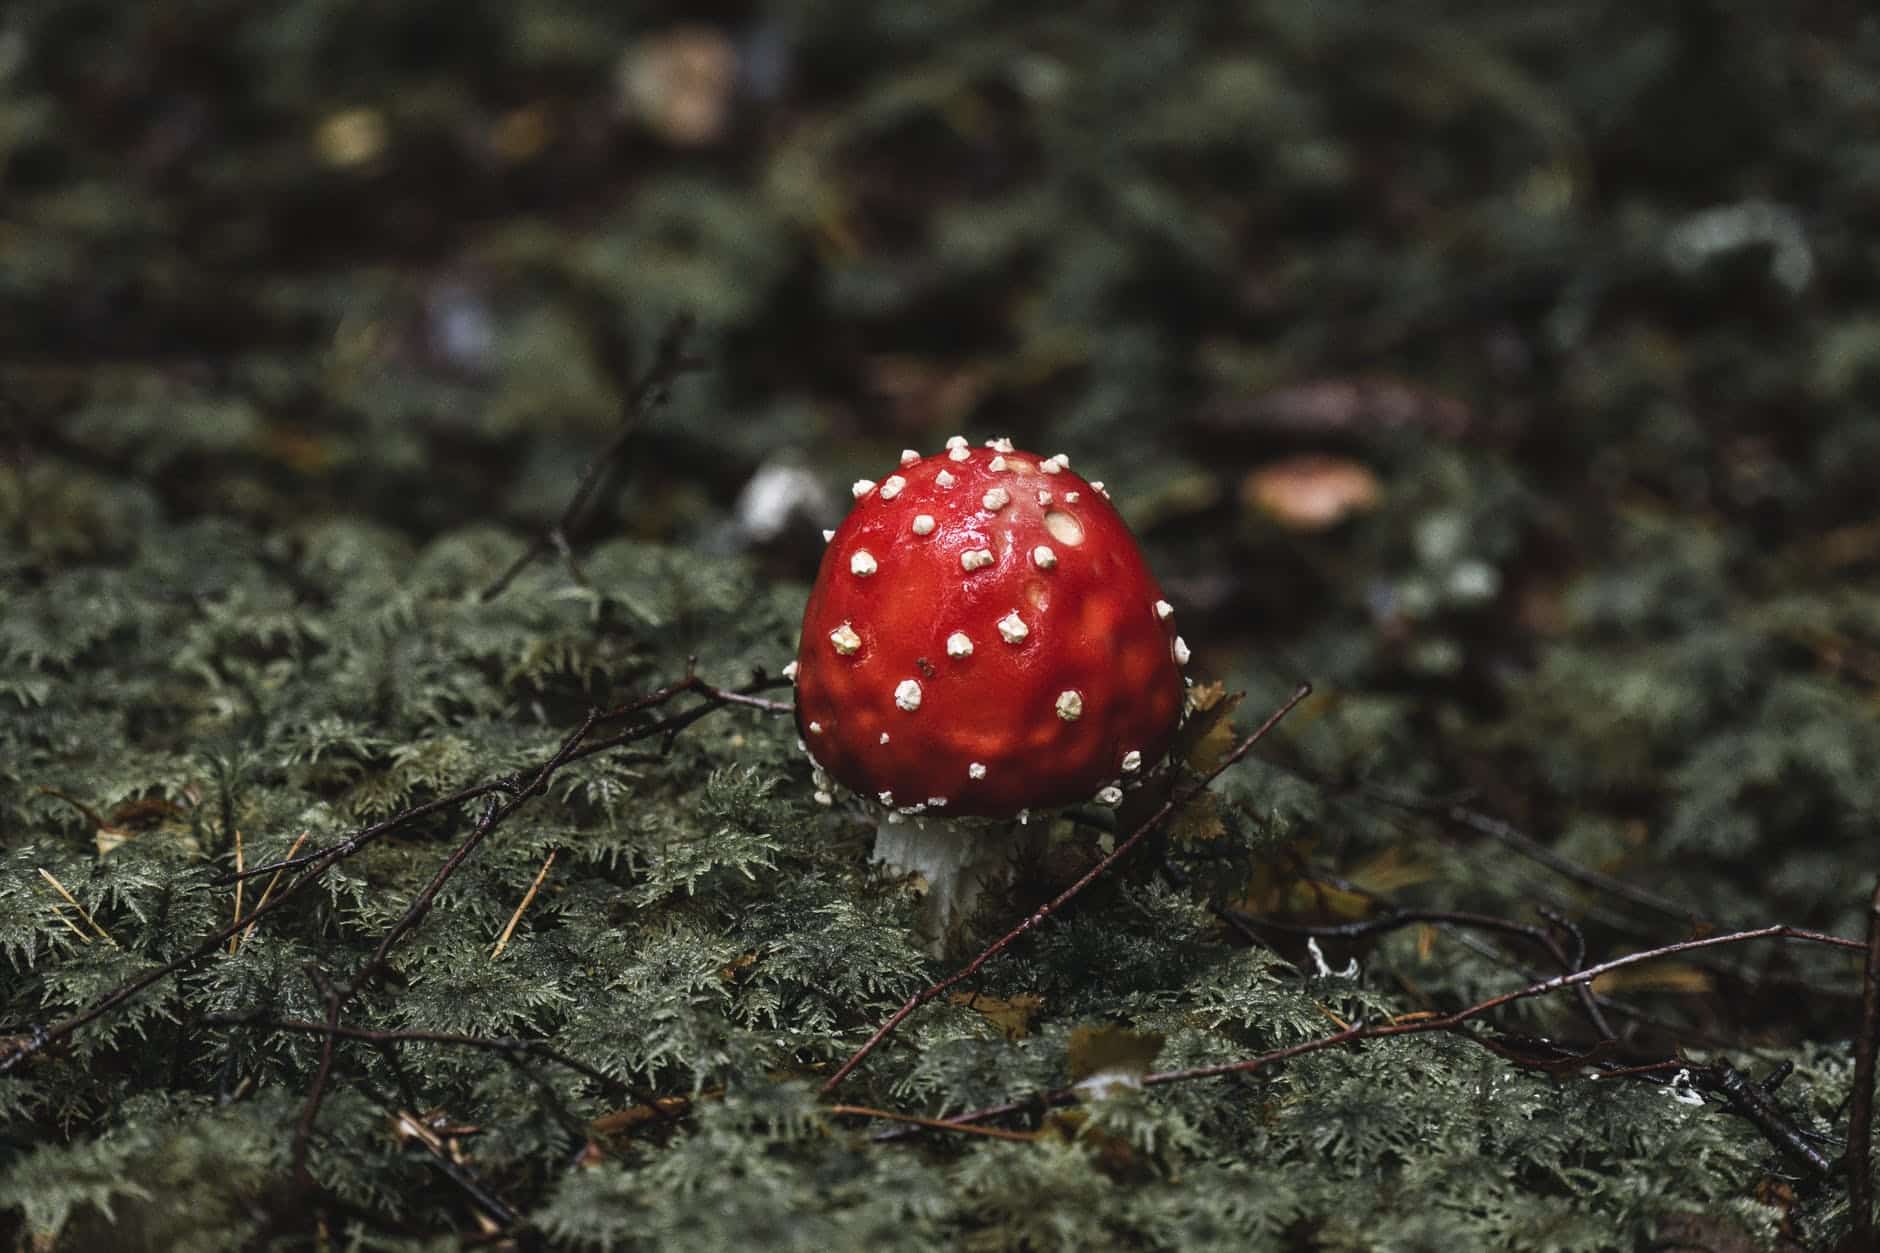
1151, 823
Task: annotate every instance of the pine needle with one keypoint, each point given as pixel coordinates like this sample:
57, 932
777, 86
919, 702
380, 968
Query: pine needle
274, 879
71, 900
235, 940
502, 941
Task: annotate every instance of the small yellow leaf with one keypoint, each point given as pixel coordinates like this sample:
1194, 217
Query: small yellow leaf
1658, 977
1391, 871
1011, 1015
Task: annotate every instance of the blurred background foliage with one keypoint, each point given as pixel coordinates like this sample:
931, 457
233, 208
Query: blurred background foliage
1512, 372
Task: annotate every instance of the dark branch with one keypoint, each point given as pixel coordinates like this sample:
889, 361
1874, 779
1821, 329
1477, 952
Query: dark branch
315, 864
652, 391
1168, 809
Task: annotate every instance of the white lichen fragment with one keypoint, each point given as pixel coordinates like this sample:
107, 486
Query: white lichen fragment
907, 695
1044, 557
909, 456
923, 524
1012, 628
996, 465
977, 770
1180, 649
789, 672
861, 487
996, 499
862, 564
1132, 761
959, 644
892, 486
1070, 705
1110, 796
1164, 610
975, 559
845, 639
1055, 464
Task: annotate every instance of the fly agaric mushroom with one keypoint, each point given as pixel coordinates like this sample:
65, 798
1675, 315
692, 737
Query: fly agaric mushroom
984, 640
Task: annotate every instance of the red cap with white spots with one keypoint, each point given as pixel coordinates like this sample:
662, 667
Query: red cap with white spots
984, 638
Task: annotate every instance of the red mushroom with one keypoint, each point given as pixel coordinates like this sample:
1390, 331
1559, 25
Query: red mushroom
984, 640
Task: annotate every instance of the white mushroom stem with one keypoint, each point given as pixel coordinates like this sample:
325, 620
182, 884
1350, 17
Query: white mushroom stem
962, 860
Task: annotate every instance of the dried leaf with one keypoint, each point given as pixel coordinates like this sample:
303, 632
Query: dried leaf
1114, 1051
661, 1109
1011, 1015
1311, 492
1207, 736
1198, 822
1657, 977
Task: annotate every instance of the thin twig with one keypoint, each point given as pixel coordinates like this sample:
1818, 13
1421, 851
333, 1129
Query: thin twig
1527, 846
932, 1124
1151, 823
715, 698
1399, 918
494, 1044
1450, 1022
316, 1095
1749, 1101
410, 1126
502, 941
652, 390
1860, 1114
317, 863
1541, 988
494, 811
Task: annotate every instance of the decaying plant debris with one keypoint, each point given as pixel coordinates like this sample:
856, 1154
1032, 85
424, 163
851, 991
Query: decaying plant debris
405, 841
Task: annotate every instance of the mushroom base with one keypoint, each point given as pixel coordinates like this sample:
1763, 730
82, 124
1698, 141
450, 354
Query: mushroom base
963, 861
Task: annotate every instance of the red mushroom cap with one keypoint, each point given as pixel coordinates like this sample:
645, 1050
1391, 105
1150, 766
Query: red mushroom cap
984, 638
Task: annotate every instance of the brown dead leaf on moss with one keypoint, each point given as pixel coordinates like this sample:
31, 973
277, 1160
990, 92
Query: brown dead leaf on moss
1658, 977
1011, 1015
1207, 736
1110, 1050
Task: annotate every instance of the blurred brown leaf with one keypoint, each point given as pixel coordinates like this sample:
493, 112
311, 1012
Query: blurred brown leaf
1311, 492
